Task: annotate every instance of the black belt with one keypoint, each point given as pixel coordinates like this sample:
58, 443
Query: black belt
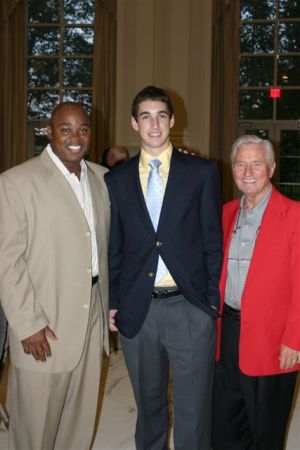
165, 293
95, 279
231, 313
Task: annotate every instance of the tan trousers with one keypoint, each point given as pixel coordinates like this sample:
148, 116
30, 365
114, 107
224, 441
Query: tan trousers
57, 411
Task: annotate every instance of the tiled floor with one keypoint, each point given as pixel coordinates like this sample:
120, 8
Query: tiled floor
117, 421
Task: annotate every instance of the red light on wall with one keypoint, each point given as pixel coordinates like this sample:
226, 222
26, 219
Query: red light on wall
275, 92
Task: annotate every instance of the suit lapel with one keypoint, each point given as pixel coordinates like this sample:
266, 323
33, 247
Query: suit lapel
135, 192
175, 180
229, 221
60, 185
100, 206
267, 235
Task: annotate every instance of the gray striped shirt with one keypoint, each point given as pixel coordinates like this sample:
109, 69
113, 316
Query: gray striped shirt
241, 249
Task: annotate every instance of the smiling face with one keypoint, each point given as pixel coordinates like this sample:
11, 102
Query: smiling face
69, 132
153, 125
252, 172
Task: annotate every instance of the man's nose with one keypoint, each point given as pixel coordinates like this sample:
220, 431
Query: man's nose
248, 169
155, 122
75, 135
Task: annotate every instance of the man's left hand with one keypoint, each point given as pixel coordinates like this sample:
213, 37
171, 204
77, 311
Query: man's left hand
288, 357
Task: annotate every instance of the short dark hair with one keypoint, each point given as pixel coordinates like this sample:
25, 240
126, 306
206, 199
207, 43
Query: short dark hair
62, 105
151, 93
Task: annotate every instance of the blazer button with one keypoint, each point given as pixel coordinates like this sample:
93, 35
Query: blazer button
151, 274
159, 243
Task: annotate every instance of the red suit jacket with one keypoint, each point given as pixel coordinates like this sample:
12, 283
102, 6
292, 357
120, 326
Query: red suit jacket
270, 304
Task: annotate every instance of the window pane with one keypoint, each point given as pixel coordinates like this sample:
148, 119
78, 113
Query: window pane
290, 143
43, 11
290, 190
41, 103
290, 163
78, 72
256, 71
82, 97
78, 41
260, 132
288, 107
257, 38
289, 70
253, 9
43, 72
43, 41
81, 11
40, 142
289, 37
289, 8
255, 105
289, 169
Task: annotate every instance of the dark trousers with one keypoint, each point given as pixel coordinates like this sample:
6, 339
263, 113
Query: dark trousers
248, 412
176, 334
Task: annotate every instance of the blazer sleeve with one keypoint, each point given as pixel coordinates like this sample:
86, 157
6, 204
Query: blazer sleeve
211, 224
291, 336
114, 248
24, 316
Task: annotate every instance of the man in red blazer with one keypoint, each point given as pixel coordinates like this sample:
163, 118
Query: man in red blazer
259, 334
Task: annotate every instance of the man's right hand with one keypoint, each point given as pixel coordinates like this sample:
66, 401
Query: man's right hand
37, 345
112, 325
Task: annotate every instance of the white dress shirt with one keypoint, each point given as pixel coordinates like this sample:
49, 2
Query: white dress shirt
81, 189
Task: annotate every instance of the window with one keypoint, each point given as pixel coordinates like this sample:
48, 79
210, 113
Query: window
60, 41
270, 57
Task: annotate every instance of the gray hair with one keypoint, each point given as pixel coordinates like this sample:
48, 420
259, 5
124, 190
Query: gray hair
252, 139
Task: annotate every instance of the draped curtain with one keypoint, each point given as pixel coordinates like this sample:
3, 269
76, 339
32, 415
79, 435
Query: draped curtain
104, 78
13, 140
13, 110
225, 83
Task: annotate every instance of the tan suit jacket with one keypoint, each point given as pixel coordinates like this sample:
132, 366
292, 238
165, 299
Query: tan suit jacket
45, 259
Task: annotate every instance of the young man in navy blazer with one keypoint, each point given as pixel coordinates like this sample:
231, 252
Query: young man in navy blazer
164, 278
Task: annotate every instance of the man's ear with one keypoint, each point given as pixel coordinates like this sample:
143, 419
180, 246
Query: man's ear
49, 132
272, 169
172, 121
134, 124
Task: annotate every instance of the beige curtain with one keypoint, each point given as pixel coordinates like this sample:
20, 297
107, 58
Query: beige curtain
225, 82
104, 78
13, 140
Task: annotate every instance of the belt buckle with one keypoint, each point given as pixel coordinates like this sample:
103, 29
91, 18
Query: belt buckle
232, 314
164, 293
95, 279
158, 294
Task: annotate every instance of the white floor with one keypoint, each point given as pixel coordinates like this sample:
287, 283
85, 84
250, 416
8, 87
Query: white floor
118, 412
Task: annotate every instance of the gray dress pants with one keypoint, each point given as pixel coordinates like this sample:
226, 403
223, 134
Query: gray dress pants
179, 336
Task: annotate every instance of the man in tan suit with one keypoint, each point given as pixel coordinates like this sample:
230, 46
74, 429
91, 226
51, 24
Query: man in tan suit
54, 220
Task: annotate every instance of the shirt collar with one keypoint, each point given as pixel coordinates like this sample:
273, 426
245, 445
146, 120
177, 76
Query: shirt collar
60, 165
261, 204
164, 158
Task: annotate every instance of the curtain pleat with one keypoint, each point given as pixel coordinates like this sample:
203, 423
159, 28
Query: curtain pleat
225, 83
13, 137
104, 78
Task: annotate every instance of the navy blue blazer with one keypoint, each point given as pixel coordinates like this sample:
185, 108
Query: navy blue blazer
188, 238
